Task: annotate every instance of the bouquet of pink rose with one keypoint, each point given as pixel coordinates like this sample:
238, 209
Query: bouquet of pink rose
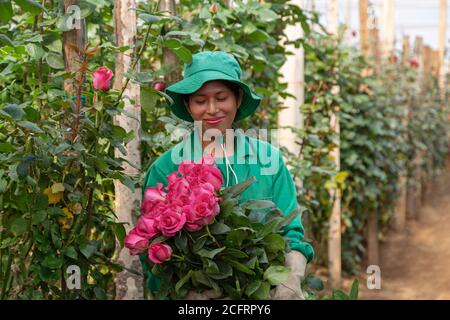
198, 236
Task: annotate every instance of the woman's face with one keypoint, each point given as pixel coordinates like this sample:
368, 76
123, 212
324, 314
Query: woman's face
215, 105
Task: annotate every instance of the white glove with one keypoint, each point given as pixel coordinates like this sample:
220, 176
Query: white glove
291, 288
205, 295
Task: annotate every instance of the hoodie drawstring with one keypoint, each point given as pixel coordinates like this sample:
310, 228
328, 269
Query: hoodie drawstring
228, 165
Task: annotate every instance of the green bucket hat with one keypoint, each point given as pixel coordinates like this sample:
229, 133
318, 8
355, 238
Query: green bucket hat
207, 66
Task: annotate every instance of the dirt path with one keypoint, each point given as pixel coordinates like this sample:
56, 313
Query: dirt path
416, 264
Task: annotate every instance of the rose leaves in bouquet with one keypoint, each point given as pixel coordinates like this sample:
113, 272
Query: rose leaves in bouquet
198, 236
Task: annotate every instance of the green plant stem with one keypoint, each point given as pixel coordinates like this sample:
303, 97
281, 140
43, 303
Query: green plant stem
138, 57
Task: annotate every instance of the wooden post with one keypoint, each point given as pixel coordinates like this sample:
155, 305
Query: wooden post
442, 42
405, 51
334, 231
170, 58
128, 285
348, 19
74, 42
414, 189
401, 204
293, 74
363, 29
387, 28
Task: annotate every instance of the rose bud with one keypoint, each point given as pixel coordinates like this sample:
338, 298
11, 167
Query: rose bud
214, 8
102, 79
136, 242
160, 86
159, 252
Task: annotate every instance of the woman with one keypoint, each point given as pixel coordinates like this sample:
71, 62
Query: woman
212, 96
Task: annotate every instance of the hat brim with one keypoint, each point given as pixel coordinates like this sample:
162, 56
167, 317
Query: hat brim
250, 101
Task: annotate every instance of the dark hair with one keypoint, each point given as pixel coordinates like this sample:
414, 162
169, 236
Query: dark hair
230, 85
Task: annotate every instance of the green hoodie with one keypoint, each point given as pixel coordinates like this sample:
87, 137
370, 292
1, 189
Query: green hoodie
252, 157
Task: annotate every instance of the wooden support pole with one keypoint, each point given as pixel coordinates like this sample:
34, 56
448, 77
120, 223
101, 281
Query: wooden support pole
363, 29
405, 50
387, 29
128, 285
293, 75
73, 44
334, 231
401, 204
442, 45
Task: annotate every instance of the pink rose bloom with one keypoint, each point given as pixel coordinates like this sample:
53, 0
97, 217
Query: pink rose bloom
102, 79
159, 252
185, 167
212, 175
136, 242
147, 227
171, 221
203, 207
154, 201
155, 193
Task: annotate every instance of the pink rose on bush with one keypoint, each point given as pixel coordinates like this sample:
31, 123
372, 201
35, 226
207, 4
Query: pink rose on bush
171, 221
136, 242
102, 79
159, 252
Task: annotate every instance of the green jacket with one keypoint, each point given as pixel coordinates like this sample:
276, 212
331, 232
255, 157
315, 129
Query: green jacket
256, 158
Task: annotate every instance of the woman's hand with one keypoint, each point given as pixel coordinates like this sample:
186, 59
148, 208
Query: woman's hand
291, 288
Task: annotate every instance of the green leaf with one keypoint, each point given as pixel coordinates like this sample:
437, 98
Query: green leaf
262, 293
6, 11
120, 233
209, 253
354, 290
219, 228
239, 254
276, 274
274, 243
19, 226
52, 262
181, 241
13, 111
30, 6
100, 293
38, 216
88, 249
30, 126
198, 244
183, 281
3, 185
252, 288
148, 18
70, 252
4, 40
5, 147
258, 204
23, 169
183, 53
314, 283
240, 187
291, 216
172, 43
34, 50
55, 61
339, 295
267, 15
241, 267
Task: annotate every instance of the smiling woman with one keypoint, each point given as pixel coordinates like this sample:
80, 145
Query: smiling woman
212, 96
